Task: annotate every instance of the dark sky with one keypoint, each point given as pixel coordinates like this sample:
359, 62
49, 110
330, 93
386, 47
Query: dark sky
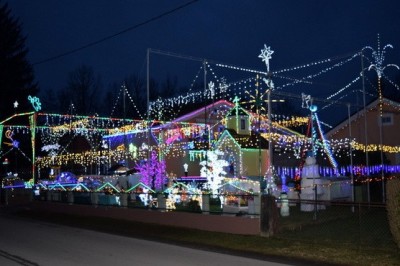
234, 32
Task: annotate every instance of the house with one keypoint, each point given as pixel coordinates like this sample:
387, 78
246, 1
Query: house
378, 124
245, 150
188, 141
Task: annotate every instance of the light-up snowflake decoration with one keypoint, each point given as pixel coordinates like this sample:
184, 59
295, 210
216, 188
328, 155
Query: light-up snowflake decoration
223, 87
160, 111
211, 89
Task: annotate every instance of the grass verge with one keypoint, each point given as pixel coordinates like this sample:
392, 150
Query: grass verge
288, 251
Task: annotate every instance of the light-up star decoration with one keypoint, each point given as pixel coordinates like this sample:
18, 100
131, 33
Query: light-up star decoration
36, 104
16, 104
266, 55
257, 99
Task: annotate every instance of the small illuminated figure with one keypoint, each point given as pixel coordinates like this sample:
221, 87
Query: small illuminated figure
186, 168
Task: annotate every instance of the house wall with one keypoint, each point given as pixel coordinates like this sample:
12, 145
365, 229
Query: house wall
390, 132
232, 152
235, 123
251, 162
175, 165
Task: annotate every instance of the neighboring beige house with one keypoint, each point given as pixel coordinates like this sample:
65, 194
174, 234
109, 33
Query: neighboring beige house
373, 130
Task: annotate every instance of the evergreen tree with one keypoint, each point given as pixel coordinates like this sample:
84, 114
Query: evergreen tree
16, 73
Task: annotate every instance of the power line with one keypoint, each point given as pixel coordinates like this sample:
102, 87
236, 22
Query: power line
115, 35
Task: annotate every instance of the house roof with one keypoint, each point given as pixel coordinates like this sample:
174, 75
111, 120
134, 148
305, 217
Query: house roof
252, 141
359, 113
238, 111
209, 108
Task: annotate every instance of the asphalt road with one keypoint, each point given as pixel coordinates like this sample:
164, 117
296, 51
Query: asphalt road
32, 242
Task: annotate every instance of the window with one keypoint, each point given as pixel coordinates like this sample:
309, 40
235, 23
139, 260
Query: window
242, 124
387, 119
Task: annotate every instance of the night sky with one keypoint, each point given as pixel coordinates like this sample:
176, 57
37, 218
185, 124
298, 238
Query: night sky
233, 32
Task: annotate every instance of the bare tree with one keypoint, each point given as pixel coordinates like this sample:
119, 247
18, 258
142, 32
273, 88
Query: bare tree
169, 87
83, 89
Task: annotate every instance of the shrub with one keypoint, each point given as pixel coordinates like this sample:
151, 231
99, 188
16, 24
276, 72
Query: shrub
393, 208
190, 206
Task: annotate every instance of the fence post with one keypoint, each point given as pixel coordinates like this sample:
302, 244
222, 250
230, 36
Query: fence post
268, 216
70, 197
205, 203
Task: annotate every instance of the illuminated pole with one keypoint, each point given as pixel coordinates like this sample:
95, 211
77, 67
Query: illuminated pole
266, 220
378, 58
32, 122
124, 118
381, 137
270, 146
205, 111
37, 105
266, 55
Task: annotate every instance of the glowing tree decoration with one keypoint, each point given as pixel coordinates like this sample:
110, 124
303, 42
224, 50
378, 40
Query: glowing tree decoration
271, 186
213, 169
377, 65
153, 172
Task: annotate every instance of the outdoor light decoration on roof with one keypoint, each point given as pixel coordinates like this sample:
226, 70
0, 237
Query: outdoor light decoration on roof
36, 104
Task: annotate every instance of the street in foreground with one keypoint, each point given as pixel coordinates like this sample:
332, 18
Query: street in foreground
29, 242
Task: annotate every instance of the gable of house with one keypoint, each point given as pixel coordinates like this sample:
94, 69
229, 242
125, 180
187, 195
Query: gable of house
372, 127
